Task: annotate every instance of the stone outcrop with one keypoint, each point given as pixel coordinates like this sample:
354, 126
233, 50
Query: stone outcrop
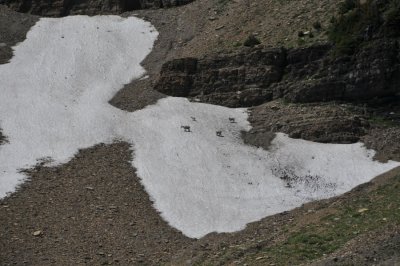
386, 141
257, 75
233, 80
322, 122
373, 72
57, 8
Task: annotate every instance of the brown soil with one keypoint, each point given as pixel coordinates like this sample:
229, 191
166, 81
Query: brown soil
92, 210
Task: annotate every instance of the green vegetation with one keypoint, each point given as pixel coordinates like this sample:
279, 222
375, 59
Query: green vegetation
358, 23
366, 213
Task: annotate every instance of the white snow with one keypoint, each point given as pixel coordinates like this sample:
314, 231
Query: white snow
203, 183
55, 91
54, 101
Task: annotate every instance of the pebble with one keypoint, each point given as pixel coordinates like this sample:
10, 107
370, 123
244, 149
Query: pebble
37, 233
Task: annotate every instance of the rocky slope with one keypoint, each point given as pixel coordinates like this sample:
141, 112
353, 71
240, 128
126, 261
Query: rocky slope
75, 206
60, 8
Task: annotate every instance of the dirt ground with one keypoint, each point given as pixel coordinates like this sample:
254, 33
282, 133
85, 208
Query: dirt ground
93, 210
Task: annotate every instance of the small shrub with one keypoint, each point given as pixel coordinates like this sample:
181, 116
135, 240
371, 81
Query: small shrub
359, 23
251, 41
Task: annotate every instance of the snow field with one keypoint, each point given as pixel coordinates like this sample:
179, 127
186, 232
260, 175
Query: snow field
54, 101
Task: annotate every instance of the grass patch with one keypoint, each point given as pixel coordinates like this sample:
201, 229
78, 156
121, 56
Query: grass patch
367, 212
358, 23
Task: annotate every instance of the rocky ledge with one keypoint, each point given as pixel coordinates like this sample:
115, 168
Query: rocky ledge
257, 75
323, 122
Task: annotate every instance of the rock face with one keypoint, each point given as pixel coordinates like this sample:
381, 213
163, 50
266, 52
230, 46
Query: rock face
371, 73
385, 140
258, 75
57, 8
233, 80
326, 123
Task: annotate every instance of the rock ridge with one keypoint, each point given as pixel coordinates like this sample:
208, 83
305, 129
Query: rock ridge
257, 75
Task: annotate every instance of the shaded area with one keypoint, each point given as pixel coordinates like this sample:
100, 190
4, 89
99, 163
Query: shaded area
257, 75
130, 5
136, 95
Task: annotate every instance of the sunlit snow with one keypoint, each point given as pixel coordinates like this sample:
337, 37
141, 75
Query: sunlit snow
54, 101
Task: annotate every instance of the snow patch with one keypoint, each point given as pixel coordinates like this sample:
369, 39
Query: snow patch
55, 90
203, 183
54, 101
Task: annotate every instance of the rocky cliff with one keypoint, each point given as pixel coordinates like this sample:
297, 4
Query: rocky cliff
257, 75
240, 79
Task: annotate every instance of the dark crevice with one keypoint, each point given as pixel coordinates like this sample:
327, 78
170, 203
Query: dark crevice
130, 5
